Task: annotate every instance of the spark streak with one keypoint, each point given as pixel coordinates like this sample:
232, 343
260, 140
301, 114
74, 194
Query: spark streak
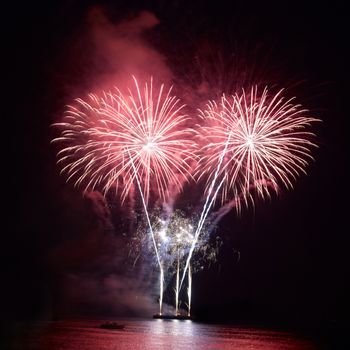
161, 289
177, 287
205, 210
189, 291
161, 281
146, 213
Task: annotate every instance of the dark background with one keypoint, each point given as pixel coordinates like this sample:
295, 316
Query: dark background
294, 250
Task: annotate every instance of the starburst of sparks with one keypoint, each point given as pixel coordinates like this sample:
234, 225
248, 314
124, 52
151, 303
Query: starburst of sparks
266, 138
107, 137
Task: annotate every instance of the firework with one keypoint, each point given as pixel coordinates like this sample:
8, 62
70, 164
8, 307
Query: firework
266, 139
117, 140
110, 139
252, 141
174, 236
173, 233
141, 140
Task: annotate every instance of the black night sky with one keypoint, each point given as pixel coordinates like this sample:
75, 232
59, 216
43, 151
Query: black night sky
57, 246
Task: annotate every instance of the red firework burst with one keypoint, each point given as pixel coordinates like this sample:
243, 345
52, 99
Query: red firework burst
109, 140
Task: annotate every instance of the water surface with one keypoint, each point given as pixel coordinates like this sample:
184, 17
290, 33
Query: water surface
156, 334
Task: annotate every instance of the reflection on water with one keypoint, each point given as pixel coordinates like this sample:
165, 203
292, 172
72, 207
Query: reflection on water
158, 334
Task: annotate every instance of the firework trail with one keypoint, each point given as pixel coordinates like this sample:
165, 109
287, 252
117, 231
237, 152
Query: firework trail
161, 289
103, 137
255, 142
177, 289
205, 211
147, 216
189, 291
234, 203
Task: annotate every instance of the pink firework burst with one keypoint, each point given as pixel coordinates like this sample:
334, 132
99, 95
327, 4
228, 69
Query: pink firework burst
109, 140
261, 139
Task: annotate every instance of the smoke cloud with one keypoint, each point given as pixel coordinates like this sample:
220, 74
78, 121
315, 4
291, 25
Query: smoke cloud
106, 53
91, 268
